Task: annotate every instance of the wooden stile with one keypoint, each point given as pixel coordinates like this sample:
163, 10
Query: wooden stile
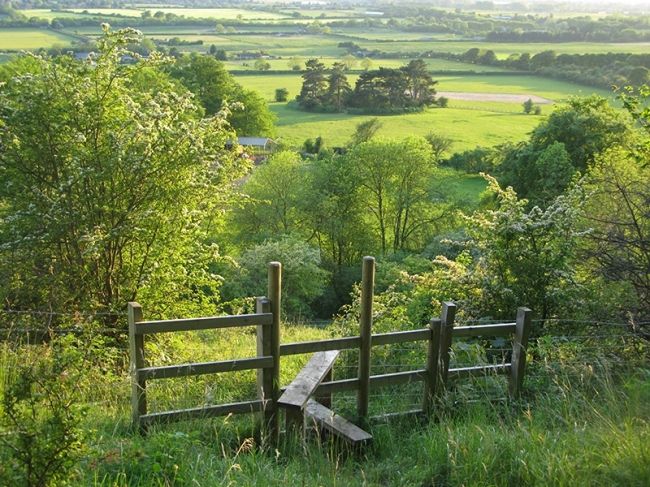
136, 352
519, 347
365, 322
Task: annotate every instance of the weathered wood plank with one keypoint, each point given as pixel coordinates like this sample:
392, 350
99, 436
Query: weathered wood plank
136, 353
365, 333
401, 337
205, 323
501, 329
396, 378
433, 371
274, 290
185, 370
203, 412
446, 334
375, 381
348, 343
326, 419
265, 376
479, 370
304, 385
320, 345
519, 347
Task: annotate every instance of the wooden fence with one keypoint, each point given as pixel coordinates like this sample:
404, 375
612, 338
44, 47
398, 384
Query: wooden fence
435, 373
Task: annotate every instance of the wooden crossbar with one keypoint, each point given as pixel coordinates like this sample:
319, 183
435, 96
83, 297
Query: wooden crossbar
186, 370
329, 421
297, 393
208, 323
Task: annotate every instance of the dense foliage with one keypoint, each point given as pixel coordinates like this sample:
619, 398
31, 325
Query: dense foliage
384, 90
110, 177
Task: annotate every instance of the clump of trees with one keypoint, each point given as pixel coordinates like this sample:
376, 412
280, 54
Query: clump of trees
384, 90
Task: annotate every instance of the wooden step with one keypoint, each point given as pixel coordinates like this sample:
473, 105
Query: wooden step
297, 393
328, 420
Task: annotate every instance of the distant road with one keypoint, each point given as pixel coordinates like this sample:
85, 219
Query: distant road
499, 97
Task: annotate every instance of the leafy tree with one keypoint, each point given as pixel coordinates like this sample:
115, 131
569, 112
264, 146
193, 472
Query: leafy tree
338, 88
281, 94
274, 192
303, 280
439, 144
528, 106
107, 184
420, 83
295, 63
314, 85
214, 86
251, 115
366, 63
395, 178
618, 219
349, 61
525, 257
584, 128
365, 131
262, 65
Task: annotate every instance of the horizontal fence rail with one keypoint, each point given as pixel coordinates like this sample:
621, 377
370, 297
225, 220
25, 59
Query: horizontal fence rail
185, 370
209, 323
203, 412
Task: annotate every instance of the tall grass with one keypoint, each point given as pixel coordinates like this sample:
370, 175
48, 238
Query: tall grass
584, 420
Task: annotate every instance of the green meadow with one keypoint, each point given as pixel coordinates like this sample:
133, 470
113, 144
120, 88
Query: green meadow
35, 38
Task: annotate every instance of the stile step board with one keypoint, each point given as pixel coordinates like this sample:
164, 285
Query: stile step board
335, 424
297, 393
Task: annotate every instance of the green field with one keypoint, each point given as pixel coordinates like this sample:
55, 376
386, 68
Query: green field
124, 12
220, 13
467, 123
504, 49
556, 90
282, 64
48, 14
18, 39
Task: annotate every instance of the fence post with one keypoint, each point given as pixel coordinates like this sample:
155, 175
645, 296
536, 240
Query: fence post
446, 332
136, 355
365, 322
265, 376
433, 371
275, 297
519, 347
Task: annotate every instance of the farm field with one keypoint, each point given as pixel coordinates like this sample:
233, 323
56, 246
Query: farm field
466, 127
43, 13
467, 122
555, 90
504, 49
35, 38
433, 64
220, 13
